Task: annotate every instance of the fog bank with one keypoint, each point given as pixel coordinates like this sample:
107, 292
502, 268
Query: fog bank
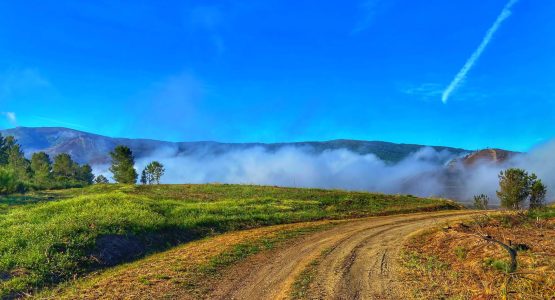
426, 172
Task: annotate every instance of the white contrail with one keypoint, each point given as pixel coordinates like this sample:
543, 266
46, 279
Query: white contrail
505, 13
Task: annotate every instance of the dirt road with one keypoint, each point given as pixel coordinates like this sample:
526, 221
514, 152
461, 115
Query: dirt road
357, 260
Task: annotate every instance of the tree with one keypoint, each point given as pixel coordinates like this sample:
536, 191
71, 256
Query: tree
100, 179
17, 161
144, 179
42, 168
481, 201
85, 175
3, 151
514, 188
152, 173
64, 168
123, 165
8, 181
537, 194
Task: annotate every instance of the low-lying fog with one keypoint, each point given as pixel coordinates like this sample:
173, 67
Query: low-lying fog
424, 173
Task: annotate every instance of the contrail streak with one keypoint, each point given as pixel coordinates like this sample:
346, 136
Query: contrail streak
505, 13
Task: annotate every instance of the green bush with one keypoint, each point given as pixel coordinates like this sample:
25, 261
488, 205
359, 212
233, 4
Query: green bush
9, 183
481, 202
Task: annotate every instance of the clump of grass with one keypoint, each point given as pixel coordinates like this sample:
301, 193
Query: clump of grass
425, 263
50, 237
461, 252
144, 280
497, 264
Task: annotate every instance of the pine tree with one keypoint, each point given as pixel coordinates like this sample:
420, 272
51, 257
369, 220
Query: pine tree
64, 168
8, 181
123, 165
144, 179
3, 151
481, 201
101, 179
538, 192
514, 187
42, 169
85, 175
17, 161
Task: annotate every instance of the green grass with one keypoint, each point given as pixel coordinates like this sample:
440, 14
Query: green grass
420, 262
543, 213
497, 264
50, 237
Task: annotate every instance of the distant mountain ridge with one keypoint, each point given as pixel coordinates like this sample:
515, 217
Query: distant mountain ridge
92, 148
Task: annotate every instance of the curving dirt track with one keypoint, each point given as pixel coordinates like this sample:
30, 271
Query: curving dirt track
357, 260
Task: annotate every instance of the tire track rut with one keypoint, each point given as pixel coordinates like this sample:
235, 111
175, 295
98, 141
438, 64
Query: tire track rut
360, 265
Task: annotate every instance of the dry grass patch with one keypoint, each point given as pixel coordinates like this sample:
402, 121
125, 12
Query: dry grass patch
454, 263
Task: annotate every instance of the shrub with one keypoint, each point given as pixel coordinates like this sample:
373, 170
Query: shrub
8, 182
481, 201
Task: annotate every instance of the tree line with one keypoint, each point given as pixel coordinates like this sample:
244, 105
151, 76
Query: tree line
19, 174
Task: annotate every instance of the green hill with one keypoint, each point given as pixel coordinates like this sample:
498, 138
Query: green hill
50, 237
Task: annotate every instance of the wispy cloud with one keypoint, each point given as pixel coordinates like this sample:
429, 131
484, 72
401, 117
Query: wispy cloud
370, 9
460, 77
58, 122
16, 80
10, 116
209, 19
425, 91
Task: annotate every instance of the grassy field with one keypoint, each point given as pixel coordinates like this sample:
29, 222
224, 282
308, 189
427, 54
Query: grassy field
51, 237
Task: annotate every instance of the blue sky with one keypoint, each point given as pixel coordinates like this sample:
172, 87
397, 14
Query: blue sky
269, 71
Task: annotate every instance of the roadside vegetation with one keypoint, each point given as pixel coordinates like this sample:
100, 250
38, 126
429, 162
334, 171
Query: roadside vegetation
507, 255
453, 263
52, 236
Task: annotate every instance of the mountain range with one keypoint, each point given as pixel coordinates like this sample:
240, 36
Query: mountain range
92, 148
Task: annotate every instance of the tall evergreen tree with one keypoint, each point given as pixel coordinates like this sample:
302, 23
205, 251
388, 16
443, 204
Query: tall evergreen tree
64, 168
123, 164
17, 161
3, 151
101, 179
144, 179
537, 194
8, 181
514, 187
42, 168
85, 175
